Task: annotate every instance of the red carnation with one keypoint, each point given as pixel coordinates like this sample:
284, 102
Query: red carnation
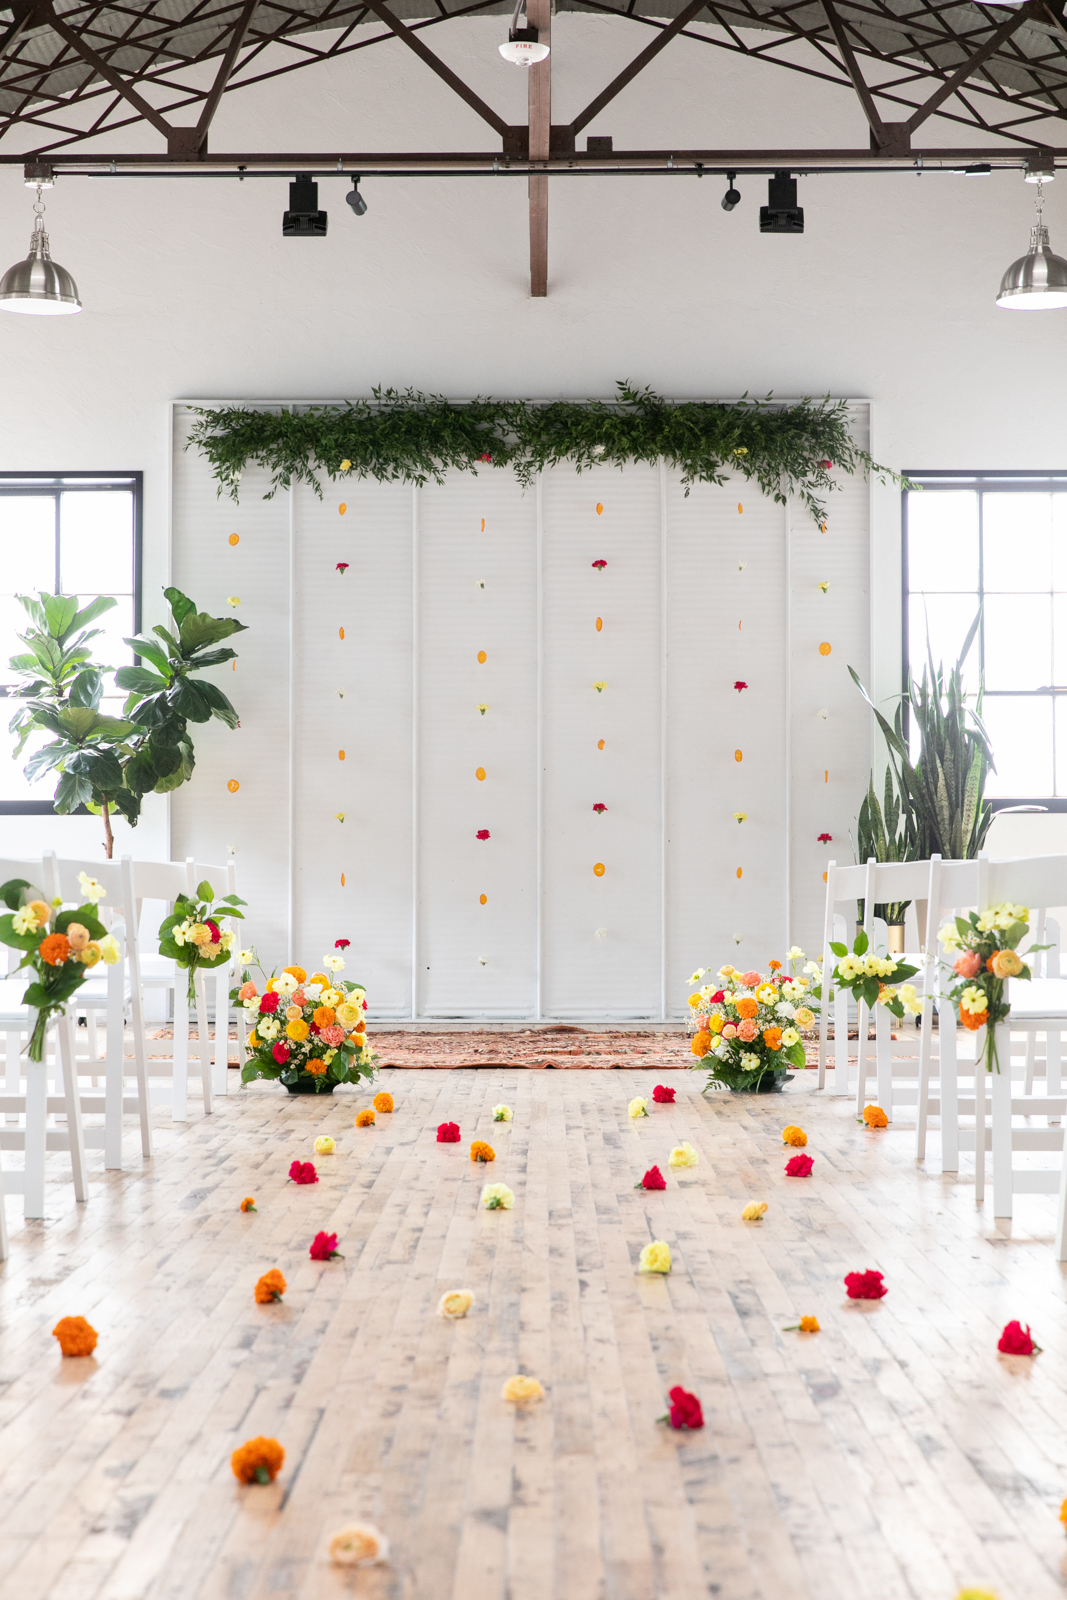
342, 567
313, 1027
717, 998
653, 1179
662, 1095
599, 807
826, 838
324, 1245
303, 1172
868, 1286
269, 1001
685, 1409
826, 464
281, 1052
739, 685
600, 565
485, 456
483, 833
341, 944
448, 1133
1016, 1341
799, 1167
216, 931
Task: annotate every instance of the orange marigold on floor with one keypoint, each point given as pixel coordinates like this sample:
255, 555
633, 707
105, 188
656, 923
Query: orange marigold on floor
364, 1119
383, 1102
258, 1460
875, 1117
794, 1135
76, 1336
270, 1287
480, 1151
248, 1204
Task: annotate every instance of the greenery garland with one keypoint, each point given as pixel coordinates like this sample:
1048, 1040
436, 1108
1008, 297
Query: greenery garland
412, 438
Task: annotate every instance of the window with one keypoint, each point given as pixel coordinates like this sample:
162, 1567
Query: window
998, 540
77, 533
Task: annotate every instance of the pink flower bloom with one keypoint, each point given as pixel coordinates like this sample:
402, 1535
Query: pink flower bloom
865, 1285
341, 944
599, 808
323, 1247
600, 565
653, 1179
483, 833
739, 685
299, 998
799, 1167
663, 1095
247, 991
729, 1031
1015, 1341
750, 979
342, 567
969, 964
448, 1133
826, 838
303, 1172
281, 1052
334, 1035
747, 1031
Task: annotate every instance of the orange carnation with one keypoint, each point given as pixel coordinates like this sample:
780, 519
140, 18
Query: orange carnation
772, 1038
297, 972
324, 1015
701, 1044
55, 949
794, 1135
973, 1020
775, 966
383, 1102
364, 1119
315, 1066
270, 1287
257, 1460
76, 1336
875, 1117
747, 1006
480, 1151
248, 1204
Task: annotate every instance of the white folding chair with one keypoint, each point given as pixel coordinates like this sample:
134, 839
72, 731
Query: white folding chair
217, 876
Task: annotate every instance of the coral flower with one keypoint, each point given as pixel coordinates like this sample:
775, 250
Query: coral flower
701, 1044
54, 949
864, 1285
655, 1257
303, 1172
270, 1287
455, 1304
365, 1119
248, 1204
750, 979
78, 1337
497, 1197
799, 1167
653, 1179
875, 1117
324, 1145
683, 1155
324, 1247
729, 1031
448, 1133
968, 965
522, 1391
685, 1409
662, 1095
358, 1546
247, 991
755, 1211
480, 1151
258, 1460
1016, 1341
794, 1135
747, 1031
383, 1102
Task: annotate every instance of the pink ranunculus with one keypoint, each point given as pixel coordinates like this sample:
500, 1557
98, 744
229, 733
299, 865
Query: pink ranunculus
729, 1031
750, 979
969, 964
747, 1031
334, 1035
299, 999
247, 991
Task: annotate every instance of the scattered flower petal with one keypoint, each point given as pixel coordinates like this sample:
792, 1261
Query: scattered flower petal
1016, 1341
324, 1247
480, 1151
248, 1204
875, 1117
794, 1136
324, 1145
662, 1095
638, 1108
358, 1546
755, 1211
270, 1287
497, 1197
455, 1304
448, 1133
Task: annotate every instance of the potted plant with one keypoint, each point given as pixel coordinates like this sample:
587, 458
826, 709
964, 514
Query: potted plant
309, 1033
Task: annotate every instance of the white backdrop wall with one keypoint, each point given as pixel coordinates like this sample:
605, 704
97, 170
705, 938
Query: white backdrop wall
699, 592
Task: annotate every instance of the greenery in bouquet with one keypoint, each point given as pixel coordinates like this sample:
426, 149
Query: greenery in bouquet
986, 943
59, 947
871, 978
749, 1026
305, 1028
192, 936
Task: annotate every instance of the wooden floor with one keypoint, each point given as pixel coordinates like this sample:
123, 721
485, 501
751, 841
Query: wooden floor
894, 1454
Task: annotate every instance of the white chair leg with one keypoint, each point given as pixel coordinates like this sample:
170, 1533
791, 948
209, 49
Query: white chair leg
1031, 1061
1061, 1209
948, 1089
841, 1061
861, 1057
4, 1248
883, 1055
1000, 1088
65, 1042
180, 1061
1053, 1067
36, 1124
12, 1068
113, 1072
203, 1042
221, 1053
979, 1115
922, 1113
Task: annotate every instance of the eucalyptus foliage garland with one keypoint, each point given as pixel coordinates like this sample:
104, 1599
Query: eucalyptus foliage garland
414, 438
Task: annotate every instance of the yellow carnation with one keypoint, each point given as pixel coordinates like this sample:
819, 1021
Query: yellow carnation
324, 1145
656, 1257
455, 1304
522, 1391
638, 1108
755, 1211
497, 1197
683, 1155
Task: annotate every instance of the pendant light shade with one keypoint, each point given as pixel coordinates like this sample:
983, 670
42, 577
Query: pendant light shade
1038, 280
39, 286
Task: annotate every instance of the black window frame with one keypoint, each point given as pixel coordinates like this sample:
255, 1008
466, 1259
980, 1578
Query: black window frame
53, 484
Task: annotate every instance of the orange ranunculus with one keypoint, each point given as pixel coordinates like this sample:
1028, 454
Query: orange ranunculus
315, 1066
258, 1460
383, 1102
323, 1016
78, 935
364, 1119
42, 912
321, 979
701, 1044
76, 1336
747, 1006
480, 1151
772, 1038
55, 949
973, 1020
270, 1287
715, 1024
297, 972
1006, 964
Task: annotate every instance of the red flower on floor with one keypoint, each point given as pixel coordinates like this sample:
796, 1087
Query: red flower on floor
483, 833
281, 1052
826, 838
866, 1286
324, 1247
1016, 1340
685, 1409
303, 1172
341, 944
600, 565
269, 1001
653, 1179
342, 567
799, 1167
662, 1095
739, 685
448, 1133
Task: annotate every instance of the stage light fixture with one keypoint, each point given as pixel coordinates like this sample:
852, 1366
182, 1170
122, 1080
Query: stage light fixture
522, 48
304, 220
732, 197
781, 214
39, 286
1038, 280
356, 200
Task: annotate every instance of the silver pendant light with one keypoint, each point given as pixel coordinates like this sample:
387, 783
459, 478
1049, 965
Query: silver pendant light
1038, 280
39, 286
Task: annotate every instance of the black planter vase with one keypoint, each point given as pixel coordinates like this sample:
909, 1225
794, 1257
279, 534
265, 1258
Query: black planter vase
306, 1085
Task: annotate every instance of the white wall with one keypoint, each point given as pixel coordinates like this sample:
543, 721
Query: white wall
191, 292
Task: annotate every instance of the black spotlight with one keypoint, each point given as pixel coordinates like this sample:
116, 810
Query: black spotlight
304, 220
781, 214
356, 200
732, 197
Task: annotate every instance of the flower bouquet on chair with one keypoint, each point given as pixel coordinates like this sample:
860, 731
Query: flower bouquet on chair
871, 978
58, 946
311, 1033
987, 956
191, 936
748, 1030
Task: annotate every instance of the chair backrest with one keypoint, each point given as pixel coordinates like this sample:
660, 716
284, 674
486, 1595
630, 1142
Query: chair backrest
62, 875
34, 873
1034, 881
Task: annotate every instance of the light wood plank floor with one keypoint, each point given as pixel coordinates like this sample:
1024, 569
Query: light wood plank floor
893, 1455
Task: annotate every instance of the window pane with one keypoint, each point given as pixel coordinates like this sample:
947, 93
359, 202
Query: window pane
28, 540
1018, 642
115, 625
943, 539
1020, 731
1017, 541
96, 542
13, 621
949, 616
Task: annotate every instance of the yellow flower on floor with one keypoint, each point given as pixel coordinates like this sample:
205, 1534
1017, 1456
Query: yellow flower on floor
655, 1257
455, 1304
297, 1030
324, 1145
638, 1108
522, 1391
497, 1197
683, 1155
501, 1113
976, 1594
755, 1211
359, 1545
794, 1135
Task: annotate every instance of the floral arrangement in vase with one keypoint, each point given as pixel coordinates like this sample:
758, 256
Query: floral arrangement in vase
987, 956
309, 1033
749, 1027
58, 946
871, 978
192, 936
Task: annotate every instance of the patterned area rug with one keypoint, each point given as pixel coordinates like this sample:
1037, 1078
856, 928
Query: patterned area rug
560, 1046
